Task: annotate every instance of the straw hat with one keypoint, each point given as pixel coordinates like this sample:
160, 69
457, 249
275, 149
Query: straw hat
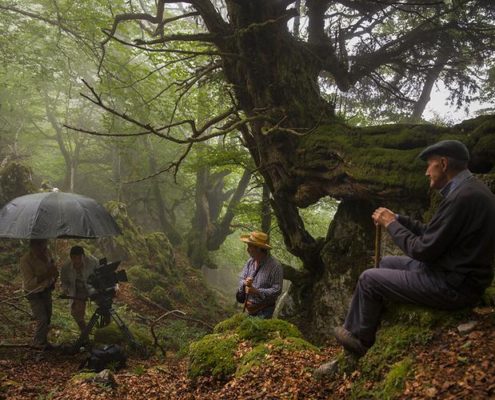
258, 239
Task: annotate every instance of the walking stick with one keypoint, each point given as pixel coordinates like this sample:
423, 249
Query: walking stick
245, 299
378, 244
245, 303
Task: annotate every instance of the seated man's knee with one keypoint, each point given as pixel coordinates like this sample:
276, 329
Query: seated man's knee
367, 277
388, 262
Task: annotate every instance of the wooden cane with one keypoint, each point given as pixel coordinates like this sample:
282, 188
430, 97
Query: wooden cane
378, 244
245, 304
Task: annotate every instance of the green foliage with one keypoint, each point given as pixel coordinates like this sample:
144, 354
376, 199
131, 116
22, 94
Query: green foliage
139, 370
142, 278
177, 335
160, 296
213, 355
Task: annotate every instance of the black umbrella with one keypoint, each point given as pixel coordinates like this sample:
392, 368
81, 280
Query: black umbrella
52, 215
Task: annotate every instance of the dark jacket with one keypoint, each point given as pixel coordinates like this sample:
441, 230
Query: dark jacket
460, 238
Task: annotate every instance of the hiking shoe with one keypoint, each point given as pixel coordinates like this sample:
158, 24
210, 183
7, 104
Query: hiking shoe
350, 343
327, 370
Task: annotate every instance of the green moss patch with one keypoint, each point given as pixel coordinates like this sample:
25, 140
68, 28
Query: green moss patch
213, 355
231, 324
489, 296
258, 329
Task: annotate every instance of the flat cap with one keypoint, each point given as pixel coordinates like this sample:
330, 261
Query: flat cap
446, 148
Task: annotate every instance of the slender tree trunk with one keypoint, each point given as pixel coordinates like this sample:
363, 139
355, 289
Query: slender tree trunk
266, 210
166, 225
197, 248
297, 19
222, 229
117, 173
431, 78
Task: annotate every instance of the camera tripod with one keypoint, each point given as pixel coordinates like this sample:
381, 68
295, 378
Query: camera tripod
102, 316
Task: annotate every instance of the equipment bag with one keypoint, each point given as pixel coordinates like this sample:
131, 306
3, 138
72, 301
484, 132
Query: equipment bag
110, 356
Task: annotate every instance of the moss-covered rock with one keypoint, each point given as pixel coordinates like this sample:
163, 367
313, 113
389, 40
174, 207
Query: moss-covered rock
489, 296
142, 278
161, 254
213, 355
150, 249
110, 334
387, 363
15, 181
258, 329
231, 324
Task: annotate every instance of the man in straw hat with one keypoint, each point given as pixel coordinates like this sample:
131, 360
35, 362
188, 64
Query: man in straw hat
447, 262
261, 278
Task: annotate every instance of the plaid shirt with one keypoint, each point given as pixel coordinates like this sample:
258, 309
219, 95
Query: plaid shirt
268, 280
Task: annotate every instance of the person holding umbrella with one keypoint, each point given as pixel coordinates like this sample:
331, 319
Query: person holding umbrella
39, 275
73, 278
261, 278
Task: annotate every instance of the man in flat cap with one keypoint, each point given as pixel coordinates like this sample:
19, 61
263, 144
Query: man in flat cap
447, 262
261, 278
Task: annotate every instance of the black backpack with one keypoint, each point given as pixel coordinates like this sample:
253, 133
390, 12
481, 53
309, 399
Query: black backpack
111, 356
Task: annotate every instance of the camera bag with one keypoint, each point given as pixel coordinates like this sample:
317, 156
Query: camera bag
110, 356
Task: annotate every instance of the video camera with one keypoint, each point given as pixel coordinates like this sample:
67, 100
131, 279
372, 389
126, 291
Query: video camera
103, 282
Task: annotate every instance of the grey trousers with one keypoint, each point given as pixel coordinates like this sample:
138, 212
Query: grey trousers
41, 306
404, 280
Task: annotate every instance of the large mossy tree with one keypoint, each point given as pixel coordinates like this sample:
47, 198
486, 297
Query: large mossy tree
302, 147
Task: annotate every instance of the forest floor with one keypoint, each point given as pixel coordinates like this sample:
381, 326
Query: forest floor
451, 366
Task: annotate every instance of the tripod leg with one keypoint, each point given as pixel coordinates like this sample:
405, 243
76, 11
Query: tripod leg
84, 336
123, 327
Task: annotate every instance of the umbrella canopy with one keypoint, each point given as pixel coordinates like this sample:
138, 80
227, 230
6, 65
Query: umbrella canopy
52, 215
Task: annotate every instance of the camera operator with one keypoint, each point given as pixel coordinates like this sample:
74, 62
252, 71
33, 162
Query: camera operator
74, 279
39, 275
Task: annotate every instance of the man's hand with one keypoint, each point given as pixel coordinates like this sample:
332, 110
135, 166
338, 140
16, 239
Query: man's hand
383, 216
251, 290
248, 284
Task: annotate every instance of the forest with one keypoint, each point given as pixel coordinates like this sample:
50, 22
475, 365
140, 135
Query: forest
195, 122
